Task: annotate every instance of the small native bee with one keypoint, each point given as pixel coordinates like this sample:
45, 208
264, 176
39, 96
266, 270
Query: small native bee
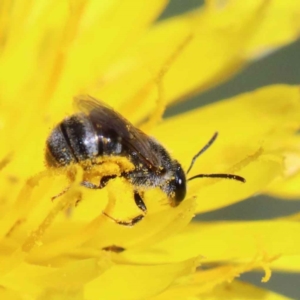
99, 131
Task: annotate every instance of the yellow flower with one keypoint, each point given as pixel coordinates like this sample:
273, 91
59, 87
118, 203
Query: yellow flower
52, 51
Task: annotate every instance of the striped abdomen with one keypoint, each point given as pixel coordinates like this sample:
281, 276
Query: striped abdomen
76, 139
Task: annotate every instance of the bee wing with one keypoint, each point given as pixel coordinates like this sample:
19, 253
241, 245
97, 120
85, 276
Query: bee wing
100, 113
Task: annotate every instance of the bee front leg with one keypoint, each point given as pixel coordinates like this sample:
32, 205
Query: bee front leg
140, 204
61, 193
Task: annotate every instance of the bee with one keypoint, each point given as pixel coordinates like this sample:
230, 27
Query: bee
97, 130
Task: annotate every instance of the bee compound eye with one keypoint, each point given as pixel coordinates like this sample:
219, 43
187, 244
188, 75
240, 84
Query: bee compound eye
179, 183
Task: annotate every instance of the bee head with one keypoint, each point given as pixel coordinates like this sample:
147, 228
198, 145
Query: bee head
176, 186
174, 183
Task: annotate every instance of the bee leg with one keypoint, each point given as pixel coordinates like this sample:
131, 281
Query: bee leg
140, 204
87, 184
103, 182
71, 178
60, 194
105, 179
129, 223
114, 248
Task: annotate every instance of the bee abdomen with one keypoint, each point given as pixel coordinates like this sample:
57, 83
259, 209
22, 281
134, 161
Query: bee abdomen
109, 143
58, 152
73, 140
77, 139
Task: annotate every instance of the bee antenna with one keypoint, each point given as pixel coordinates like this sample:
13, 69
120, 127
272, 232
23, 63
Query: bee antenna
210, 142
226, 176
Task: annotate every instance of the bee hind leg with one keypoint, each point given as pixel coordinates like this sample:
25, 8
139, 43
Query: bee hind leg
140, 204
103, 182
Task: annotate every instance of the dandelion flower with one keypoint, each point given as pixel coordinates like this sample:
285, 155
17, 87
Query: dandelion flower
114, 50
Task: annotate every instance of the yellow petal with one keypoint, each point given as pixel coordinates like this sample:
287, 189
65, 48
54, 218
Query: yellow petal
36, 280
137, 281
287, 187
220, 41
289, 263
35, 225
279, 26
60, 48
9, 295
258, 113
264, 241
210, 281
106, 29
53, 249
45, 41
214, 194
63, 248
154, 228
243, 145
241, 291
